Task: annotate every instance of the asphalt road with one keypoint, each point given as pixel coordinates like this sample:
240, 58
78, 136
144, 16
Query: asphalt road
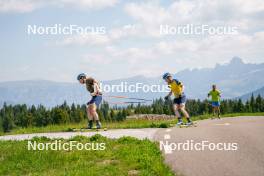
247, 160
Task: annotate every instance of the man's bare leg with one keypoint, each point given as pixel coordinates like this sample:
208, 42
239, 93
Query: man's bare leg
218, 112
177, 114
213, 116
185, 113
95, 115
90, 117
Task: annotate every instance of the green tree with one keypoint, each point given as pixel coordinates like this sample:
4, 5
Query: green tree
252, 103
119, 116
1, 123
60, 116
259, 103
112, 115
240, 106
7, 118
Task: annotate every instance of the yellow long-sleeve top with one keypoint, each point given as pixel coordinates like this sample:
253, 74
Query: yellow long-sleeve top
176, 88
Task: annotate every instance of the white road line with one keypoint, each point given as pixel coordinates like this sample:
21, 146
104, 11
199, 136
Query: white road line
222, 124
168, 130
167, 149
167, 136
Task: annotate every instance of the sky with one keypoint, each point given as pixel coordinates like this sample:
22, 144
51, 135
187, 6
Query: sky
131, 42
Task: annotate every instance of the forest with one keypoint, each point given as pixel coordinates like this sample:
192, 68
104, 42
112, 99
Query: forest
12, 116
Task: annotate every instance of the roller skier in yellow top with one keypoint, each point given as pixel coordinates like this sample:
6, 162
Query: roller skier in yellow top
179, 100
215, 95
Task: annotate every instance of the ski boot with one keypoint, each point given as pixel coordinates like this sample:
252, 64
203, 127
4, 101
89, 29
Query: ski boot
98, 124
90, 124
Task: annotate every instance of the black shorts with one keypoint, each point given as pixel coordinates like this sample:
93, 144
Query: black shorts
180, 100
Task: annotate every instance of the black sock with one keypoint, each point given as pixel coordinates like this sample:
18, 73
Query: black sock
90, 124
188, 119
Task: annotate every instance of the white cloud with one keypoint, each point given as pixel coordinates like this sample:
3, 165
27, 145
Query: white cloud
23, 6
87, 39
250, 6
179, 52
91, 39
240, 13
147, 12
124, 31
176, 46
132, 54
95, 59
138, 48
20, 6
150, 15
90, 4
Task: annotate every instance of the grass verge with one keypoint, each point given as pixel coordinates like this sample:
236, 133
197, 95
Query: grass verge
129, 123
123, 156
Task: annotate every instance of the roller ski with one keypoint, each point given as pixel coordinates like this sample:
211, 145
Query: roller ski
186, 125
90, 127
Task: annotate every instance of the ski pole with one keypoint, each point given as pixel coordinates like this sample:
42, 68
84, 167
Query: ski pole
127, 102
125, 97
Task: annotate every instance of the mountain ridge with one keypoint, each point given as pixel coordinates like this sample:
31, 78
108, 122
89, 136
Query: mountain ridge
255, 93
234, 79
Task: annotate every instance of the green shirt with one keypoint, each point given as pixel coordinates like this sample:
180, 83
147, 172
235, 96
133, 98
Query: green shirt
215, 94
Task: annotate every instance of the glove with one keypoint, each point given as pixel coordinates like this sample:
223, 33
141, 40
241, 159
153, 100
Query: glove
166, 98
